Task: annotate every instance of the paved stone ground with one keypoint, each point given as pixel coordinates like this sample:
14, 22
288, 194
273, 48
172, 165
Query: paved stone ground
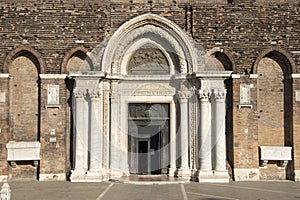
189, 191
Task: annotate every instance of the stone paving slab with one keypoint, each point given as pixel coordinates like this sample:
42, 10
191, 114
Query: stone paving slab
190, 191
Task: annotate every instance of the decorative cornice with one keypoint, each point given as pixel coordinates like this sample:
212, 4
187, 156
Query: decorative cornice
213, 74
235, 76
53, 76
4, 75
253, 76
295, 75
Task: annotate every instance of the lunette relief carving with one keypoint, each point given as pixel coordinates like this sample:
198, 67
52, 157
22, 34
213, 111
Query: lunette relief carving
163, 35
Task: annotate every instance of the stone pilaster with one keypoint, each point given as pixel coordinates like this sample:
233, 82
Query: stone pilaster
96, 140
115, 168
205, 147
184, 169
173, 139
80, 137
219, 135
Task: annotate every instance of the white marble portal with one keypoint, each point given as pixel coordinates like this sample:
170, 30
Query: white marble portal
150, 60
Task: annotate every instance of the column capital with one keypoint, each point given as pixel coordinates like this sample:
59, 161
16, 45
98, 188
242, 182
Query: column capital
94, 93
79, 93
204, 94
184, 95
220, 94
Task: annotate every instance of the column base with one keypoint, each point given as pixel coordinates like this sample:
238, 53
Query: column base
172, 172
212, 176
297, 175
113, 174
87, 176
183, 173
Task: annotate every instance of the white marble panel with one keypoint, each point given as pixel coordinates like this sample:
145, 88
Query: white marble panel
275, 153
23, 151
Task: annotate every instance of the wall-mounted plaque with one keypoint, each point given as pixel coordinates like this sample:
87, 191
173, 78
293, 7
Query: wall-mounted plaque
297, 95
53, 94
2, 97
245, 94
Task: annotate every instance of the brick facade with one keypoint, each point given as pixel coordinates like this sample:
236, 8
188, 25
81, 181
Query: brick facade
53, 37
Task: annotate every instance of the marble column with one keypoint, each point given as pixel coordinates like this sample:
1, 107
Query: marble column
124, 138
205, 148
219, 135
184, 169
173, 139
80, 127
96, 140
115, 169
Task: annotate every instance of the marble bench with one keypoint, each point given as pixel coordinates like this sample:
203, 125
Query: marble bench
23, 151
275, 153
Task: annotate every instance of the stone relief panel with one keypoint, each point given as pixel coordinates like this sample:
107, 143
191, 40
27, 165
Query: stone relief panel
148, 60
168, 41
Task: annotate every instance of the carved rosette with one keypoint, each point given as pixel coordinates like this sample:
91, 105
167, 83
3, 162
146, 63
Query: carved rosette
220, 94
94, 93
183, 96
79, 93
204, 94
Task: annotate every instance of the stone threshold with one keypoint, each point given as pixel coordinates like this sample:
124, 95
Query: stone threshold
150, 180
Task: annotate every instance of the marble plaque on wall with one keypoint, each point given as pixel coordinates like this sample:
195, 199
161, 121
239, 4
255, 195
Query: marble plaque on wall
245, 94
297, 95
2, 97
53, 94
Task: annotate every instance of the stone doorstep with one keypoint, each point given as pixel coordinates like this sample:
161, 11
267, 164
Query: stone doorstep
87, 177
150, 180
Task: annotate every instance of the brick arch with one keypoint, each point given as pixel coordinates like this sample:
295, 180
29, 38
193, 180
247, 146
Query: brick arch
69, 54
18, 52
225, 52
285, 54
